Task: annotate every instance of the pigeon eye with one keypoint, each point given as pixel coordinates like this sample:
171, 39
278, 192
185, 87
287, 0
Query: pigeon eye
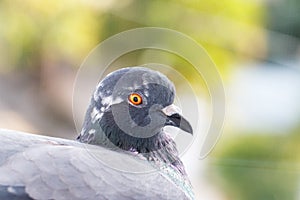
135, 99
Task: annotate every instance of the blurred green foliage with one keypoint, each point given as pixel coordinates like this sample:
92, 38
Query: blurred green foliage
227, 30
34, 33
258, 166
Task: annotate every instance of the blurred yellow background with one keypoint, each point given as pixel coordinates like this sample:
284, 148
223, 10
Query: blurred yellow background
256, 48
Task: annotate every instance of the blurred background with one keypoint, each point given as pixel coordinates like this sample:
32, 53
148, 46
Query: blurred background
256, 48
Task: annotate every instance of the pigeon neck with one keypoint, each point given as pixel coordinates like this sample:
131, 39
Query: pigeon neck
159, 148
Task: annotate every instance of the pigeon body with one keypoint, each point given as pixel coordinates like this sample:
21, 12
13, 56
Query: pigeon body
122, 151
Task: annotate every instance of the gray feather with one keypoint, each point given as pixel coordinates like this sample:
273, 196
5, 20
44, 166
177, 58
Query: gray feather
52, 168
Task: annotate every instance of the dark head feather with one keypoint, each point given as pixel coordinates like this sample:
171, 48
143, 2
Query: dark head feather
113, 122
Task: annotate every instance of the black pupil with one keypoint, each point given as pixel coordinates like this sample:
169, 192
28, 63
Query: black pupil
135, 99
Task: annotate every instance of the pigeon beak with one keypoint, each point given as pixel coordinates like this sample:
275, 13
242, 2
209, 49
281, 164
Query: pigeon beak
174, 118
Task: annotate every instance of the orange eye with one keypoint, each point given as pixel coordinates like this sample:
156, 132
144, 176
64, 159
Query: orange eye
135, 99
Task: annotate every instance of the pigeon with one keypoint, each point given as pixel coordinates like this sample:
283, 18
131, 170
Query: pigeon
122, 152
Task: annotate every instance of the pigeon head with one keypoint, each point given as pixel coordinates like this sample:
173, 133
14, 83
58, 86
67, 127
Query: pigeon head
129, 109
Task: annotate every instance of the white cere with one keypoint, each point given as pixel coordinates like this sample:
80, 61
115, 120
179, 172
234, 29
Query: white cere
171, 109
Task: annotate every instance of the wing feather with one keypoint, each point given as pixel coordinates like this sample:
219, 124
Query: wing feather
53, 168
